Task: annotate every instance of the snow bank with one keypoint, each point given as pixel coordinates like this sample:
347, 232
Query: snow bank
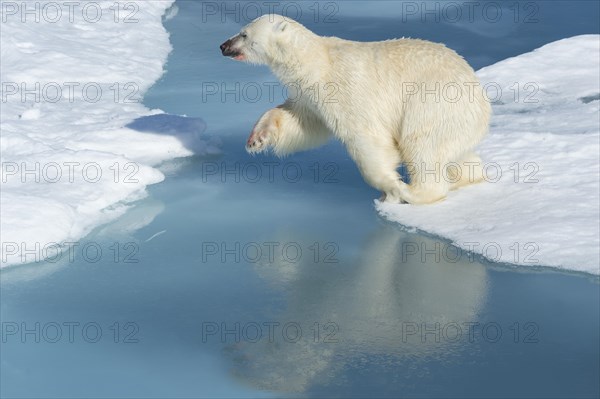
72, 78
540, 206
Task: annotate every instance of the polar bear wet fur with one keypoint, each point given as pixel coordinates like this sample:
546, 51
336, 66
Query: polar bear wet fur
404, 101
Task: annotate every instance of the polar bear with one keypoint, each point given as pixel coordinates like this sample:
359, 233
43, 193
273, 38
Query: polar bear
397, 102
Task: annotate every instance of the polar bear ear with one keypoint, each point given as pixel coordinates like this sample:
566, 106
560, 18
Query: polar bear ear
280, 26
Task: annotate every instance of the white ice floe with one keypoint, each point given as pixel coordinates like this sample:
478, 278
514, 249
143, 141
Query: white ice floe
543, 150
72, 78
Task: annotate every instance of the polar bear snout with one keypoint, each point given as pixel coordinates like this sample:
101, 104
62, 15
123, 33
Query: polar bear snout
230, 49
226, 49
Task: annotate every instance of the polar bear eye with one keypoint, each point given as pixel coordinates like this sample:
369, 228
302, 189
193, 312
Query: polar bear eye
243, 35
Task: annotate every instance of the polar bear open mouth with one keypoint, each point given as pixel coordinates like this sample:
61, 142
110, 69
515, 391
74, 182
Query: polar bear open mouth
236, 55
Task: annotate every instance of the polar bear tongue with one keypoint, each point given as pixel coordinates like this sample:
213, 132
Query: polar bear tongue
239, 57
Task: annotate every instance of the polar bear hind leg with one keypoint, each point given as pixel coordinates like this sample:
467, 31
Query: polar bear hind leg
425, 163
468, 170
377, 159
432, 177
426, 186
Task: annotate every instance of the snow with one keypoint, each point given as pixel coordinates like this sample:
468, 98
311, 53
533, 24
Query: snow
543, 208
71, 83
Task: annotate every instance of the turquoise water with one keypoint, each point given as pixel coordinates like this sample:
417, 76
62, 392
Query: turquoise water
246, 276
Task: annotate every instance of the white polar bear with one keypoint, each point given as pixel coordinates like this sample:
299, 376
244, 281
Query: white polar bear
403, 101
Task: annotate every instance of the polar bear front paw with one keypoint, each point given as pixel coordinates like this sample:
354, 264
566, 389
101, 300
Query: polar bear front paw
258, 141
265, 131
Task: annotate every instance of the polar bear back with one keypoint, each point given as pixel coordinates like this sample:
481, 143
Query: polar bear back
412, 86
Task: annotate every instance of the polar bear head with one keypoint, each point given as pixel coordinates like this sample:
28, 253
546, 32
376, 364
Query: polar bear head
263, 41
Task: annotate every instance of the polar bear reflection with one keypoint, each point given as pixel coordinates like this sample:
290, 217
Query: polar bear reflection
377, 305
